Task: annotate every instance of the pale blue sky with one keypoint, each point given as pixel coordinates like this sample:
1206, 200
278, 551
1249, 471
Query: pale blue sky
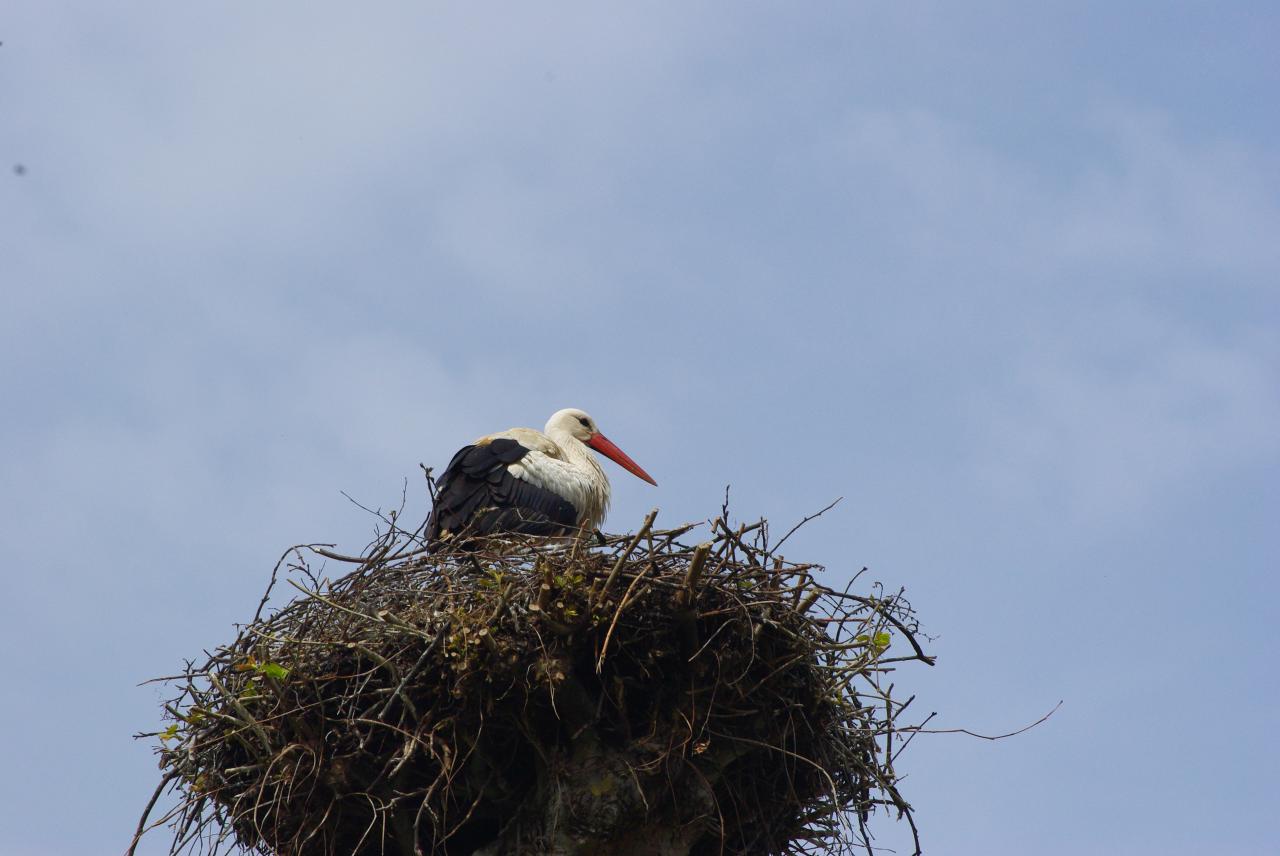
1006, 278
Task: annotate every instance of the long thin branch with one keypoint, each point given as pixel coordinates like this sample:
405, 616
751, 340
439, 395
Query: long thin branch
1021, 730
146, 812
774, 549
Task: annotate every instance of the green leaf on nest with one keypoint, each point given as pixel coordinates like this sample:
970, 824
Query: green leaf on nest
275, 671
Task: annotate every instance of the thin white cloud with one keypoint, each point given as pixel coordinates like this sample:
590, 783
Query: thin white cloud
1100, 441
1105, 397
1168, 206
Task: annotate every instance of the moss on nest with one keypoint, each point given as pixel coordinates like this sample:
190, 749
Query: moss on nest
639, 696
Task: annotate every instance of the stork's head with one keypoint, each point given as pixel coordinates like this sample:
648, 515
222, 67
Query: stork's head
580, 426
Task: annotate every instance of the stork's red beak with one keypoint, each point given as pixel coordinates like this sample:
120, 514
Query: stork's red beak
604, 446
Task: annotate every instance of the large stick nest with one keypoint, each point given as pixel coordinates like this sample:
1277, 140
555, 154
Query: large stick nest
640, 695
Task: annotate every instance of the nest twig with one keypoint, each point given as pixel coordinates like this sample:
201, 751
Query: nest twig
529, 696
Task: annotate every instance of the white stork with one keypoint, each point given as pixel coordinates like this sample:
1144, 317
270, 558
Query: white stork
522, 480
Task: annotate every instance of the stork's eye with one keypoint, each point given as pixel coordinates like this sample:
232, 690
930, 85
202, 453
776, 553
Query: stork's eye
585, 423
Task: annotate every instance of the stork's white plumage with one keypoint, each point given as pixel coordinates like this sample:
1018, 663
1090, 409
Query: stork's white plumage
521, 480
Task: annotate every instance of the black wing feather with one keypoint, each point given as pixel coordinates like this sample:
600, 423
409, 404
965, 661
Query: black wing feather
478, 495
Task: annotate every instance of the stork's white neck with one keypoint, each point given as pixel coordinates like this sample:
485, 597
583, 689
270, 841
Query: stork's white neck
577, 452
596, 483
